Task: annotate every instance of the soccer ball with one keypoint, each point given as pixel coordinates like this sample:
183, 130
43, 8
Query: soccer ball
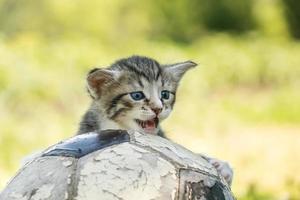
117, 164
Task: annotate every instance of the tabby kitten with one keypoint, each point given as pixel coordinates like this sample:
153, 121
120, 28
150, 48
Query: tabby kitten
134, 93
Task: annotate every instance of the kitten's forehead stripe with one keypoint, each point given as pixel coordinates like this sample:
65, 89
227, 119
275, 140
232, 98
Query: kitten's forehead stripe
159, 72
133, 68
144, 67
140, 82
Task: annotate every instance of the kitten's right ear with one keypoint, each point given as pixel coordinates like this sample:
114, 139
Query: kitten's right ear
97, 78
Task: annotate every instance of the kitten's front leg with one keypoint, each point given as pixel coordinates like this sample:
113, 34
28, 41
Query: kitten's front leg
222, 167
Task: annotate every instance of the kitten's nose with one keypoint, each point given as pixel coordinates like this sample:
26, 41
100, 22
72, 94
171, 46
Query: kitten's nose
156, 110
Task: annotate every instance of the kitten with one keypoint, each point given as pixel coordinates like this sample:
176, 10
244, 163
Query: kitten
136, 93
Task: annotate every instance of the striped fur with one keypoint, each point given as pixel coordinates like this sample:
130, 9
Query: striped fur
112, 104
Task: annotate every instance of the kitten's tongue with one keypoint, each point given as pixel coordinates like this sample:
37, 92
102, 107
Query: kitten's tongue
149, 125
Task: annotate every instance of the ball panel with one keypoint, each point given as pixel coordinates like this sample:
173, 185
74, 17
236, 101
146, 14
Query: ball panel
124, 172
175, 152
43, 178
199, 185
84, 144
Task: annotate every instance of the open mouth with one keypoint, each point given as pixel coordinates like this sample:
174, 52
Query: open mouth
148, 125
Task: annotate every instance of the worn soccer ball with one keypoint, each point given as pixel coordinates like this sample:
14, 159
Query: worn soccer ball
116, 164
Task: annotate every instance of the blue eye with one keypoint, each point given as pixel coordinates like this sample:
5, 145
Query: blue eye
137, 95
165, 94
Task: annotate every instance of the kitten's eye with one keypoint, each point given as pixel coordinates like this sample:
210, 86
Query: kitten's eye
165, 94
137, 95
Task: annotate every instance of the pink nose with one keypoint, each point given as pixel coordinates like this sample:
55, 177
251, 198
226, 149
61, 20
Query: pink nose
156, 110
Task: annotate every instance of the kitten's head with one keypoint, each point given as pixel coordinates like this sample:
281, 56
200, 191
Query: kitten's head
135, 93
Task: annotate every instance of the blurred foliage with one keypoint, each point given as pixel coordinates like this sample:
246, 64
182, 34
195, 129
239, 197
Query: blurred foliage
248, 76
292, 11
184, 21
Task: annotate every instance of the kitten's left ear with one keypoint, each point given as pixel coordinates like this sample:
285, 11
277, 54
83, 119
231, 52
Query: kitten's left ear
177, 70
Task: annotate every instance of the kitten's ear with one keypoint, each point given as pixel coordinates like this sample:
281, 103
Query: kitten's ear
177, 70
97, 78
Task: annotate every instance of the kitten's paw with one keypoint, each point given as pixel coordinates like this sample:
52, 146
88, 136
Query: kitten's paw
223, 168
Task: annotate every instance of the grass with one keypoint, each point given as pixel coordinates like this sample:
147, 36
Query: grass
245, 90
